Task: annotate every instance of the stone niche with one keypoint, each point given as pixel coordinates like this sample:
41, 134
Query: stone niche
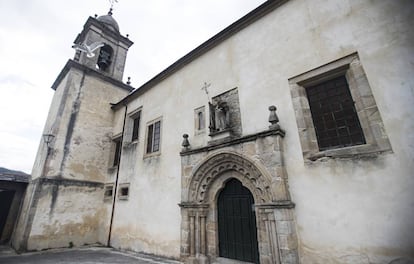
257, 162
225, 118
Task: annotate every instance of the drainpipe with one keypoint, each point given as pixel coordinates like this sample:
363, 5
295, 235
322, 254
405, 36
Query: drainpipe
116, 179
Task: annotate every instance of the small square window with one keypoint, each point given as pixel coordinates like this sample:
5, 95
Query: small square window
108, 192
123, 191
153, 137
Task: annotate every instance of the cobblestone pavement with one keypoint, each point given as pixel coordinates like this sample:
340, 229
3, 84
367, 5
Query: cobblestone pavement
83, 255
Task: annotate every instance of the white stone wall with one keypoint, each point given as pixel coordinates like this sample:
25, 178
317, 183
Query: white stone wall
347, 210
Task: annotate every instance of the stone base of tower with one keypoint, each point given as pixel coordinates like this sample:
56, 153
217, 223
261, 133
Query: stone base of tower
61, 213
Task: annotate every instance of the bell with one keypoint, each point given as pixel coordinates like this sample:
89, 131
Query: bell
104, 60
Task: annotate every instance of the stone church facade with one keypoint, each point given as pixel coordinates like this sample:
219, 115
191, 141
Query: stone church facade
285, 138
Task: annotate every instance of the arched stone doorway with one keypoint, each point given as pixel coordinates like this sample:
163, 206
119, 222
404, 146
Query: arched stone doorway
237, 230
257, 162
204, 179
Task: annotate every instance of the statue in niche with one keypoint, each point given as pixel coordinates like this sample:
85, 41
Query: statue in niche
219, 116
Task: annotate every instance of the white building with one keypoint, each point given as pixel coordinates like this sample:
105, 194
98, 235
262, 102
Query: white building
328, 180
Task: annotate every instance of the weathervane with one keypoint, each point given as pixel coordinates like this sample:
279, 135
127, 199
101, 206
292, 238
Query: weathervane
206, 85
112, 2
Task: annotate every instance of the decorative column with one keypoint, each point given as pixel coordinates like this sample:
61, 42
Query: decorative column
194, 235
280, 181
268, 236
279, 240
272, 236
192, 215
203, 236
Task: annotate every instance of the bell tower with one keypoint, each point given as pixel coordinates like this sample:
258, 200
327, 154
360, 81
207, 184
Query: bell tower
110, 58
70, 172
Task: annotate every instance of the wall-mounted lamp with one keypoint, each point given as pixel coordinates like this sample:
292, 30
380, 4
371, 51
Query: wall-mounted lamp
48, 138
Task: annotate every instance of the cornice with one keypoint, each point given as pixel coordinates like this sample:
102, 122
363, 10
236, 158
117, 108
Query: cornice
73, 64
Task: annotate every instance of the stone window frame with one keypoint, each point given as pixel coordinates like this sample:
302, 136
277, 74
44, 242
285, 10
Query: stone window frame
369, 117
121, 191
109, 187
197, 129
158, 152
116, 139
129, 127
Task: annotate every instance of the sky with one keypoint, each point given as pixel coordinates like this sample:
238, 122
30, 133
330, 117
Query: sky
35, 43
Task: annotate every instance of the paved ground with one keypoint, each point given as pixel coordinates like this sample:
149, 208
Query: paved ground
91, 255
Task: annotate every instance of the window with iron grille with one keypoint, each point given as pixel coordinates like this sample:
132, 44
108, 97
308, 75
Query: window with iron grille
334, 117
336, 112
154, 137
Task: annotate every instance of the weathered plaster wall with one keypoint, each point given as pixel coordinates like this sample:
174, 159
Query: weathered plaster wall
68, 214
59, 102
92, 134
136, 226
82, 150
346, 210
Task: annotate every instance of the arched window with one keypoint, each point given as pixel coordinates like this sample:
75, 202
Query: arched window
105, 56
201, 121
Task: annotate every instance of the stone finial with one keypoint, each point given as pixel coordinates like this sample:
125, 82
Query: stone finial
273, 119
129, 81
186, 143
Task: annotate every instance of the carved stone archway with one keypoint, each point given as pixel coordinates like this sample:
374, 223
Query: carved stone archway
257, 163
214, 167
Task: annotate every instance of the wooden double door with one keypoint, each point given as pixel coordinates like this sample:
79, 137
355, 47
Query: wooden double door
237, 223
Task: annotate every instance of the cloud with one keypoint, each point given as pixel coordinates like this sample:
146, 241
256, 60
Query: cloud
23, 111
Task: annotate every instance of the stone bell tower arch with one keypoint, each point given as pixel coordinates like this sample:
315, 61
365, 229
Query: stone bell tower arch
256, 161
110, 58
